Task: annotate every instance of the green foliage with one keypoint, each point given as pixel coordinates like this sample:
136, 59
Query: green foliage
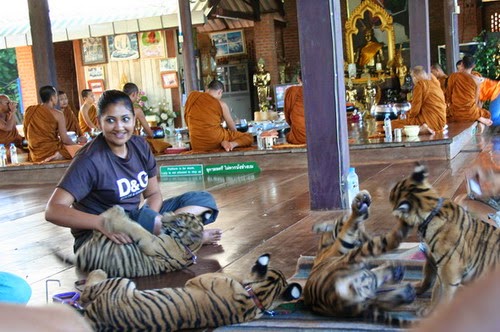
487, 56
8, 73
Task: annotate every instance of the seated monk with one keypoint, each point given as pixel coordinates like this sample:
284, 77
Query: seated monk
69, 114
428, 108
438, 72
87, 117
294, 113
45, 130
8, 130
204, 113
462, 95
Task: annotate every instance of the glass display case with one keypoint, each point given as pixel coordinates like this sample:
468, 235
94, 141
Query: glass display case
236, 89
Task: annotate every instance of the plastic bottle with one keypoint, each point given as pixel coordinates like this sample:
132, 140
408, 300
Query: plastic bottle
13, 154
352, 184
387, 126
260, 144
3, 155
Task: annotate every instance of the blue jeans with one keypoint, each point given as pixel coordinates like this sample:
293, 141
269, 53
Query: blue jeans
146, 217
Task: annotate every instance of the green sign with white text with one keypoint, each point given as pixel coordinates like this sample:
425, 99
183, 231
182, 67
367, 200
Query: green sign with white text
181, 170
230, 168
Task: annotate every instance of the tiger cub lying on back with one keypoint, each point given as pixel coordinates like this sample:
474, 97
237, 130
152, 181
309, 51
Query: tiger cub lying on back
209, 300
340, 283
461, 247
149, 254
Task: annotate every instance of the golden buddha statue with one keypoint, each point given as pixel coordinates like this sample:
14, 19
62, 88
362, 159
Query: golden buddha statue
262, 81
368, 52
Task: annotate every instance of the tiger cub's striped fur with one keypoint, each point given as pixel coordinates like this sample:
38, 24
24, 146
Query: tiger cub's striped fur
461, 247
148, 254
341, 283
209, 300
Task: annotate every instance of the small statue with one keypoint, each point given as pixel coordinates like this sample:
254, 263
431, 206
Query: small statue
282, 66
351, 93
262, 81
399, 68
370, 92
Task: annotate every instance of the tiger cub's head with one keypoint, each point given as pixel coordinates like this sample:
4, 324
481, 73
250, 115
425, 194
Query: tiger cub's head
186, 228
270, 285
413, 198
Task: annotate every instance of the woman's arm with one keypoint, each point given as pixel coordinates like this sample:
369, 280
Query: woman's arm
60, 212
152, 194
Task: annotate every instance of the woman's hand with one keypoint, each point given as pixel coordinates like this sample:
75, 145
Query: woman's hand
118, 238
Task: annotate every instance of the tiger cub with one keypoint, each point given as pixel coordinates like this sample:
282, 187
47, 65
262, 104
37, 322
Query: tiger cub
149, 254
208, 300
341, 284
460, 247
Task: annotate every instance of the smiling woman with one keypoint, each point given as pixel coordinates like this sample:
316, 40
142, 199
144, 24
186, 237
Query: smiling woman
129, 177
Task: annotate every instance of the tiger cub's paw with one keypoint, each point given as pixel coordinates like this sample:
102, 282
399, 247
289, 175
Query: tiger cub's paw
361, 203
95, 277
328, 226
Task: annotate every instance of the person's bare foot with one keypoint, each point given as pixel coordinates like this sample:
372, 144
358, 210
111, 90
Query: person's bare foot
485, 121
424, 129
211, 236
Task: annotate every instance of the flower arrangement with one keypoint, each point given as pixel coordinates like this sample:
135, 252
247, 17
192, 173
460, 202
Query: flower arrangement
161, 114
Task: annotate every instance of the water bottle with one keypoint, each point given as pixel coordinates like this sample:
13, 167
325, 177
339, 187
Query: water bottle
3, 155
352, 184
260, 143
178, 139
13, 154
387, 126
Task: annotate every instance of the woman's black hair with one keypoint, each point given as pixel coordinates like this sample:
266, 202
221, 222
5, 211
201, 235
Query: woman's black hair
111, 97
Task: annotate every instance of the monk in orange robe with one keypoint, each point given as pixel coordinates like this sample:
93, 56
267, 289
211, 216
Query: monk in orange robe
462, 95
87, 117
428, 107
204, 113
69, 115
294, 114
8, 130
43, 125
438, 72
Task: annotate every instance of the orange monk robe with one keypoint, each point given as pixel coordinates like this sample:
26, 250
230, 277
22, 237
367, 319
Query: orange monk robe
93, 117
203, 115
294, 115
489, 90
40, 128
11, 136
427, 106
71, 121
462, 96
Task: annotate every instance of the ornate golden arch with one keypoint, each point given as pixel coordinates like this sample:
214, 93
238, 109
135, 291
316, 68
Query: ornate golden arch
376, 11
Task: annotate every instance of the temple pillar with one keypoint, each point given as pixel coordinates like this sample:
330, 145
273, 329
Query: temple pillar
190, 75
320, 36
43, 48
451, 35
420, 54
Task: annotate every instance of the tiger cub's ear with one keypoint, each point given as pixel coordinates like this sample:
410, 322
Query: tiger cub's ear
260, 267
420, 173
292, 292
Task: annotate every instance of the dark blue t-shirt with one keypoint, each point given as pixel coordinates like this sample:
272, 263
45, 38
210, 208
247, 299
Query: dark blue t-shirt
98, 179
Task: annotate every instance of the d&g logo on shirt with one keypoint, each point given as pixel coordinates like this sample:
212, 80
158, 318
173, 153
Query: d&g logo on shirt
129, 188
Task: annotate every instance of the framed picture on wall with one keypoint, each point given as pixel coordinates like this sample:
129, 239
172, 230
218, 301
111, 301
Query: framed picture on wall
97, 86
229, 43
93, 50
123, 47
169, 79
95, 72
169, 64
152, 44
